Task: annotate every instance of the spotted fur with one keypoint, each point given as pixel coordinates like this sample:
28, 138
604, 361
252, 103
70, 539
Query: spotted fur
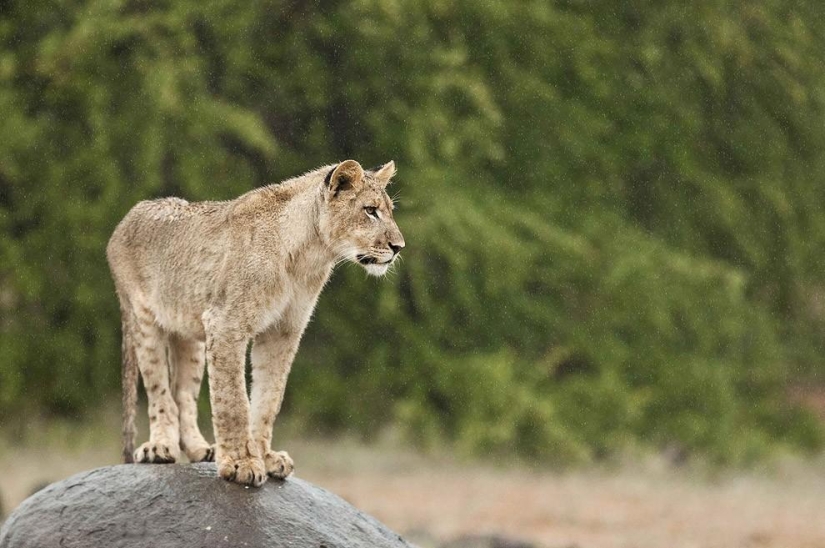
198, 281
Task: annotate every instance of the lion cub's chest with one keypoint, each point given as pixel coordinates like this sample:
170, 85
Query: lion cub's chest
272, 310
292, 302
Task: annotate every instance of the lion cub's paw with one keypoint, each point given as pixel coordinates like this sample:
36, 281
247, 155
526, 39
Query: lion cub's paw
157, 453
202, 454
278, 464
245, 470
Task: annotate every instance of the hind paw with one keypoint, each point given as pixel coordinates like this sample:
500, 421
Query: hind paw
202, 454
156, 453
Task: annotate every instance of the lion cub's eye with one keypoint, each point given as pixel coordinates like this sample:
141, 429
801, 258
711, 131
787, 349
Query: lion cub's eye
371, 211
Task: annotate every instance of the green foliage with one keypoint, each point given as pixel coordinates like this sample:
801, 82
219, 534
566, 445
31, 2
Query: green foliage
613, 211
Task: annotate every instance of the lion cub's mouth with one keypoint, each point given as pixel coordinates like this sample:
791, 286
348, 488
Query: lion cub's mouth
367, 259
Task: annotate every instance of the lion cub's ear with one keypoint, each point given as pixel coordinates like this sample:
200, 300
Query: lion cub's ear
349, 175
384, 173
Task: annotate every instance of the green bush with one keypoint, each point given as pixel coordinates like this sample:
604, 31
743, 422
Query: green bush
613, 211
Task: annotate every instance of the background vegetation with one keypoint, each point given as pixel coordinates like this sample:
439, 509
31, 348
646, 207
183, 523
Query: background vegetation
614, 210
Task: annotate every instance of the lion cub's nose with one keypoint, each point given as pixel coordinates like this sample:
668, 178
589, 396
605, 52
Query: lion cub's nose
396, 247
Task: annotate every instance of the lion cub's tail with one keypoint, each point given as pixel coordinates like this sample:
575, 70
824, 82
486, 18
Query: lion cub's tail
129, 378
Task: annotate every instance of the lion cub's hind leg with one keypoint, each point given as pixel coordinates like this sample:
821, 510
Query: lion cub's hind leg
189, 359
150, 348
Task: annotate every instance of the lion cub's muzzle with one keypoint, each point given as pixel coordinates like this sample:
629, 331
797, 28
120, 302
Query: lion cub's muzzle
395, 249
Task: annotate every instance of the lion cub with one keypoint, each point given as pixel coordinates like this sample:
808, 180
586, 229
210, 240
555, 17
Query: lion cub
198, 281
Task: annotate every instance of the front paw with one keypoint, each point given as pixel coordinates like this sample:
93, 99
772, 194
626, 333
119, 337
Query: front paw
244, 470
157, 453
278, 464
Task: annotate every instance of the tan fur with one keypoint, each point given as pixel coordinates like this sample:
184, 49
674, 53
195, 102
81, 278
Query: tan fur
198, 281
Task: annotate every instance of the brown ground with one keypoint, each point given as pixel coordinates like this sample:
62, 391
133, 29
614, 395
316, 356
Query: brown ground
435, 498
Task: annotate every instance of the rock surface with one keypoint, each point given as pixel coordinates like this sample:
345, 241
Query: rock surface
178, 506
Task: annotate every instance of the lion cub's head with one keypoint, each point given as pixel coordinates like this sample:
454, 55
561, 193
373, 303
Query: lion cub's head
357, 218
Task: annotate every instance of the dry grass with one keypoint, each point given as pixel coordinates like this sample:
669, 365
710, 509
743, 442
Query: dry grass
437, 497
637, 506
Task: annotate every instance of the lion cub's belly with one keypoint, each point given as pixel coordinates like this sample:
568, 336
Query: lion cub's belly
186, 323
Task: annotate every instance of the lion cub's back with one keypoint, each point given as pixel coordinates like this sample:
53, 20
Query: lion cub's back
172, 210
155, 231
150, 219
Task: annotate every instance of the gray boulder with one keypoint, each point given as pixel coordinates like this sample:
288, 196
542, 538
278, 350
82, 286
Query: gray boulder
180, 506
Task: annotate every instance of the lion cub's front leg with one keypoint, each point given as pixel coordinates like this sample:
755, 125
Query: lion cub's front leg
237, 454
272, 355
